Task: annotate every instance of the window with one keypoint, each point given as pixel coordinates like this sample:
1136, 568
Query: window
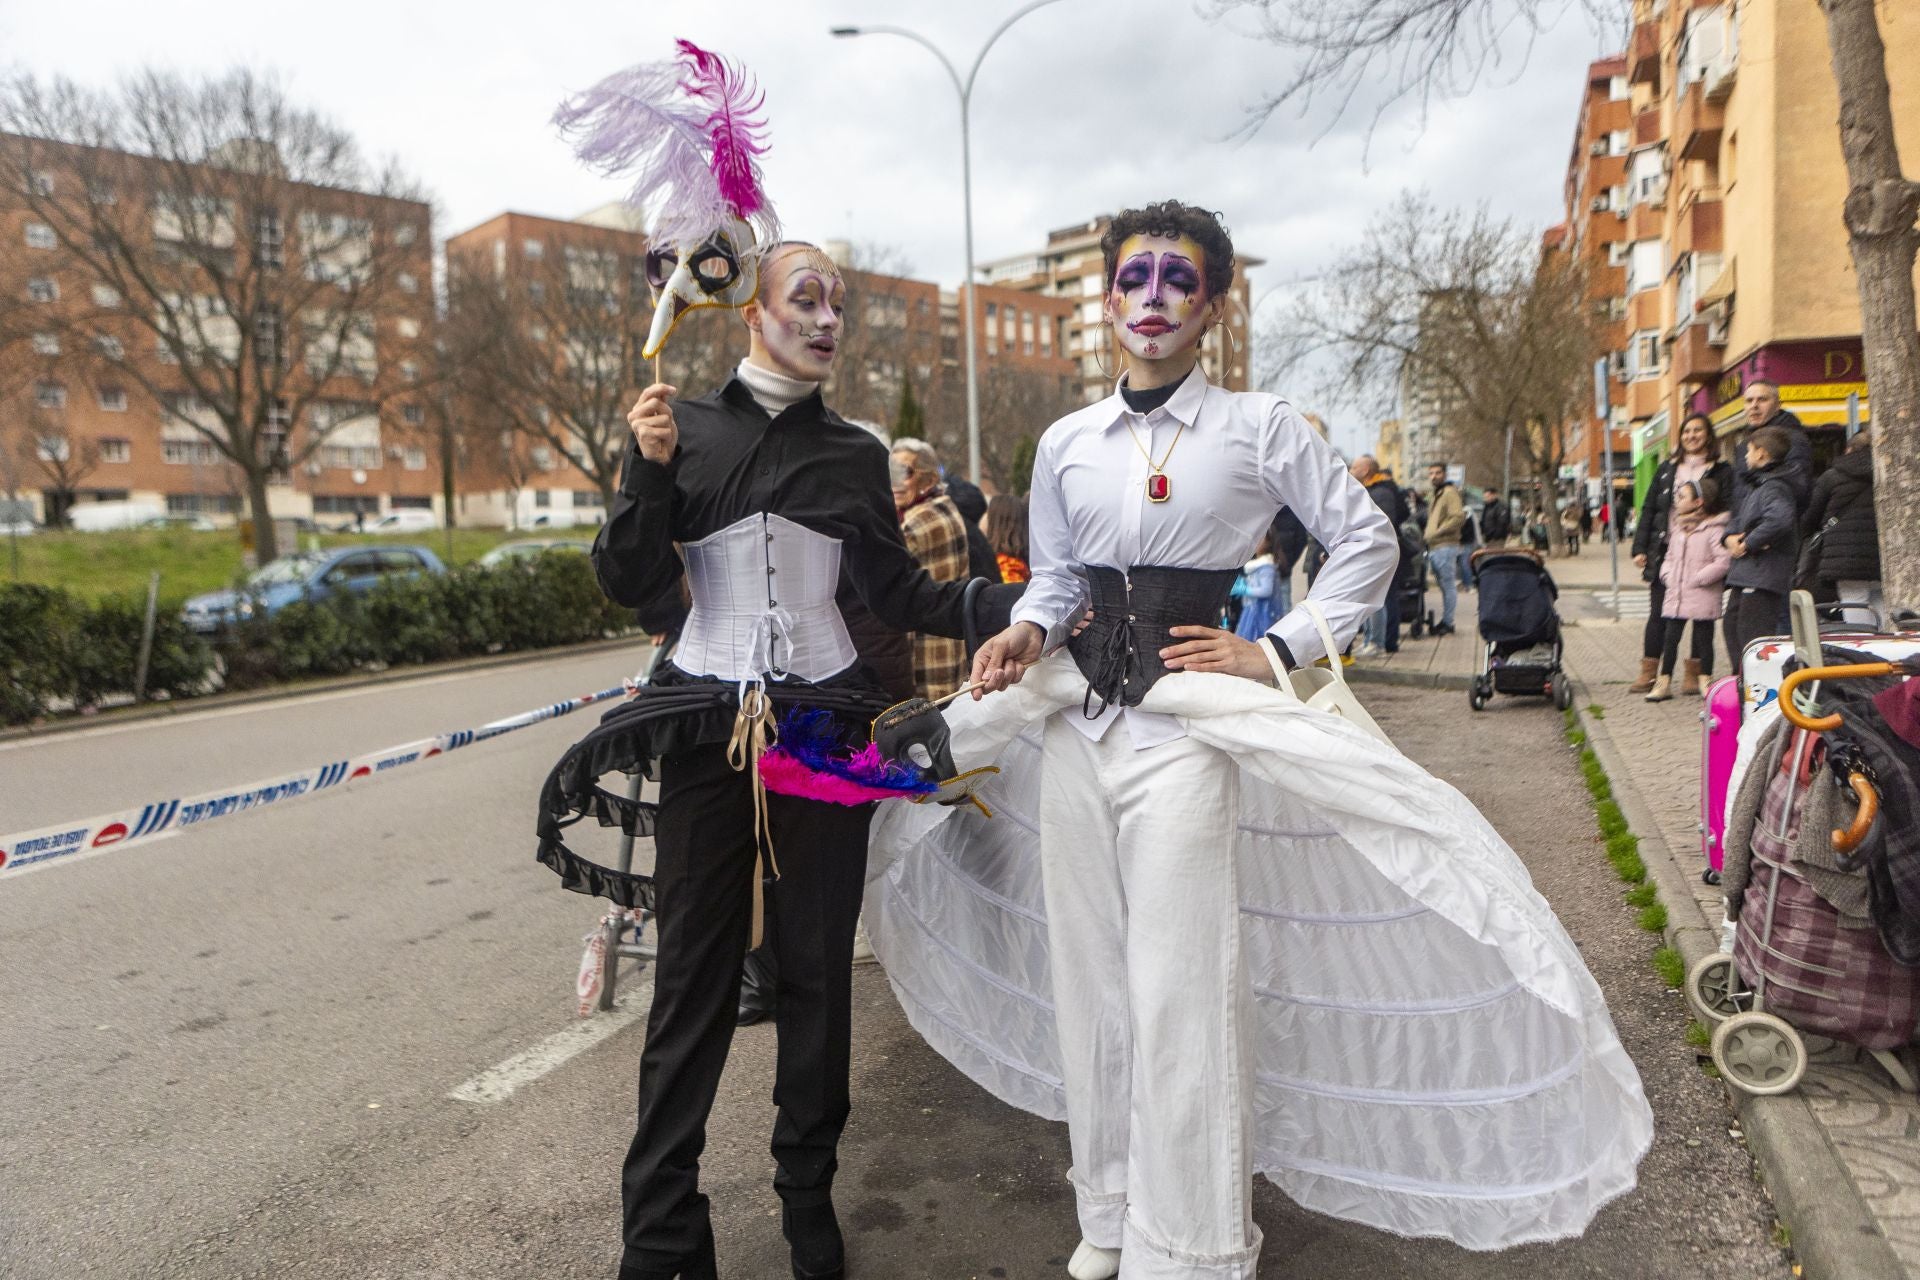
407, 327
336, 248
337, 345
1618, 141
415, 458
1647, 175
1617, 252
1646, 265
542, 457
542, 497
202, 504
106, 297
46, 344
533, 250
405, 233
499, 258
40, 236
200, 326
586, 497
200, 222
413, 415
269, 336
1643, 355
42, 182
41, 289
992, 311
52, 448
273, 435
50, 395
116, 449
408, 282
270, 242
1617, 90
538, 332
113, 400
993, 342
536, 292
1703, 53
409, 371
351, 432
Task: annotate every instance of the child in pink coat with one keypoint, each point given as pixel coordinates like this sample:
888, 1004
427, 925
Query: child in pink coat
1693, 573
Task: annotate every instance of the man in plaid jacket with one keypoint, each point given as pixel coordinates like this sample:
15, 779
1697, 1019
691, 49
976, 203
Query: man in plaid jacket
937, 536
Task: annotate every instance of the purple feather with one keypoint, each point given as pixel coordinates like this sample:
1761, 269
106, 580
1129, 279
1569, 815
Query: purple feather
735, 126
646, 120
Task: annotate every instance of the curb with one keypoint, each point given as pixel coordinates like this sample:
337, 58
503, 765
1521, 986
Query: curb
391, 675
1415, 679
1835, 1234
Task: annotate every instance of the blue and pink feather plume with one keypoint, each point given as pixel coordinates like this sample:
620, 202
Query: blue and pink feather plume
812, 762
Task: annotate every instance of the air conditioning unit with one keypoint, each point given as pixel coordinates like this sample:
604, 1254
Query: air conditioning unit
1599, 148
1717, 331
1599, 204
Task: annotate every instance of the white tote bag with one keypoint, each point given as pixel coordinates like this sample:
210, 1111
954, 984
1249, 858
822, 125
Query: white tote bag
1326, 688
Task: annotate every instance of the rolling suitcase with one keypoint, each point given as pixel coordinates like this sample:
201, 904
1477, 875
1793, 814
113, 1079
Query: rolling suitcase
1719, 743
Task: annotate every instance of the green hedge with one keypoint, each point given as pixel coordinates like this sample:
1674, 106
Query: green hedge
59, 651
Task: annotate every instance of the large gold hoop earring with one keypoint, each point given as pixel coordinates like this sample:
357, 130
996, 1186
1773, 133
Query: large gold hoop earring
1232, 345
1099, 349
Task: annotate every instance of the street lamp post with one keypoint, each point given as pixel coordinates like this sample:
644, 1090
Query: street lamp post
965, 89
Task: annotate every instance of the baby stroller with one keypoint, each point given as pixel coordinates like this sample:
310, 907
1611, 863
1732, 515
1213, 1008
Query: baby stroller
1824, 941
1411, 583
1520, 627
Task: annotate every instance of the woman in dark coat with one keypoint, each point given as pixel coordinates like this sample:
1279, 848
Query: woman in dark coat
1695, 460
1846, 557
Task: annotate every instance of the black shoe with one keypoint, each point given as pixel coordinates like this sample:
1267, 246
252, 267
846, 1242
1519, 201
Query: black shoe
1443, 628
758, 979
814, 1235
1710, 876
700, 1266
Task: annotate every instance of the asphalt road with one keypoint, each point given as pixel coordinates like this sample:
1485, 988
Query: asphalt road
229, 1053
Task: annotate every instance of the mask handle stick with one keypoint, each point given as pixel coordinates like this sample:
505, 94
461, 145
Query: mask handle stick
958, 693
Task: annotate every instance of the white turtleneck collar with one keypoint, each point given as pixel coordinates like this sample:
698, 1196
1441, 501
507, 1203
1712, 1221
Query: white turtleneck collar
775, 392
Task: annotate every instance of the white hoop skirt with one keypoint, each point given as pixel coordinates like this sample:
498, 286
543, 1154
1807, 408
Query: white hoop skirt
1432, 1056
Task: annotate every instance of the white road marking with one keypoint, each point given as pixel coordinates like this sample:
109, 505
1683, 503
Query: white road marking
497, 1084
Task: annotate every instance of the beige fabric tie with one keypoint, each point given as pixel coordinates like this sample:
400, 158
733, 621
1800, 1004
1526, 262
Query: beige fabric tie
752, 734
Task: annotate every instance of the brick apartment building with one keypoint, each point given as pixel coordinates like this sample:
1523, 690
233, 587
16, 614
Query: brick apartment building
1069, 268
1608, 162
144, 297
1734, 259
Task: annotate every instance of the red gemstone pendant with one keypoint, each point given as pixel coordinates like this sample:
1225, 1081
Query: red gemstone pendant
1159, 488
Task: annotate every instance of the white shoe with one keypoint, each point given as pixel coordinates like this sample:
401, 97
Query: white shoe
1091, 1262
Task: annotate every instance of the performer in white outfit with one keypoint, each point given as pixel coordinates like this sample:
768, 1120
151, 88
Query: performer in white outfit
1259, 938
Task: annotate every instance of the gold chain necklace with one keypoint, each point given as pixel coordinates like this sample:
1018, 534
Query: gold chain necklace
1159, 486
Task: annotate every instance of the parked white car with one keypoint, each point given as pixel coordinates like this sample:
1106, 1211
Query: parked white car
404, 520
99, 517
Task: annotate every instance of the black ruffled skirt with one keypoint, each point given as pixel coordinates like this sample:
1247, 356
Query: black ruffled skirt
674, 712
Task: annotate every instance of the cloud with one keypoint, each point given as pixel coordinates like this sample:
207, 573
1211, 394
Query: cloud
1083, 107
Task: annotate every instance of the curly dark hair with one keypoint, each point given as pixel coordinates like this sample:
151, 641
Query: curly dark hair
1172, 218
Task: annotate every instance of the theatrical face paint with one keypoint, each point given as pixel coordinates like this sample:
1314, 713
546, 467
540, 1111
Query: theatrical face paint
1158, 301
800, 312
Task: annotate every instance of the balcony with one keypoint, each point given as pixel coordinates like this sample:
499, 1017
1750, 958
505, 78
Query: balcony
1646, 127
1643, 398
1697, 125
1647, 222
1643, 54
1699, 228
1693, 358
1644, 310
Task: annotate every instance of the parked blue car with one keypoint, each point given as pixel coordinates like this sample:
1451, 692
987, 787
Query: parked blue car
310, 575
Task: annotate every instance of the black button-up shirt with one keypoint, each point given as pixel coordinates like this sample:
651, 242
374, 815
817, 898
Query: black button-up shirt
808, 465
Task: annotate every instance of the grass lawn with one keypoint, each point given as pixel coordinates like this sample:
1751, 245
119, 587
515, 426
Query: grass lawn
117, 563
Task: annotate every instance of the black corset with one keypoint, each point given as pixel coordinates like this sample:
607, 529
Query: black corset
1119, 652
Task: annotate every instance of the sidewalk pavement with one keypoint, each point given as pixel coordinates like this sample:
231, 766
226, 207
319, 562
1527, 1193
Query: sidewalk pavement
1840, 1154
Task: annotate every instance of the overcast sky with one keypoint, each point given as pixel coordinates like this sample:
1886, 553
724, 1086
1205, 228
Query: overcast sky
1084, 107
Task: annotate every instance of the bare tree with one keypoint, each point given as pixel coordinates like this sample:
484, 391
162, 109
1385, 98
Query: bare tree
1017, 404
1422, 49
550, 355
229, 252
1461, 317
886, 341
61, 460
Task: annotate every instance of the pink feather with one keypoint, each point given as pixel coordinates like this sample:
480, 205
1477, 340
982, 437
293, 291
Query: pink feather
735, 126
786, 776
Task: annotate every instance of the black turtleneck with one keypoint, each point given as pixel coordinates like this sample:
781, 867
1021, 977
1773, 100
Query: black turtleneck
1145, 402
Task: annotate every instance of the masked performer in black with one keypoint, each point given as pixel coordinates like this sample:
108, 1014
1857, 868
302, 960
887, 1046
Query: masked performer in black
784, 515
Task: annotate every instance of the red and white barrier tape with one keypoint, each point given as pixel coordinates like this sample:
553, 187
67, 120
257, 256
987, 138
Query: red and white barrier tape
31, 850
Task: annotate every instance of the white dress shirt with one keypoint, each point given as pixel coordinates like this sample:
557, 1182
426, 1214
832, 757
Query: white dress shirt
1242, 457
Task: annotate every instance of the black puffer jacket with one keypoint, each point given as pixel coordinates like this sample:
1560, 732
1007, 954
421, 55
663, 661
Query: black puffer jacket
1843, 495
1656, 512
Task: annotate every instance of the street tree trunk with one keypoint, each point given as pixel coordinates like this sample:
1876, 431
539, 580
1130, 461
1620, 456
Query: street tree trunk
265, 548
1880, 212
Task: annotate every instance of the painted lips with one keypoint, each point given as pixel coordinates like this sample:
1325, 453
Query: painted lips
1152, 327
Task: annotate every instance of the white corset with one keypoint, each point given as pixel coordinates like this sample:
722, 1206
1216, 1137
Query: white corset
763, 591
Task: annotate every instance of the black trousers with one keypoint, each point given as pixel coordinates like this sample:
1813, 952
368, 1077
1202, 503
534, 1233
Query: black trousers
703, 867
1702, 651
1752, 613
1655, 635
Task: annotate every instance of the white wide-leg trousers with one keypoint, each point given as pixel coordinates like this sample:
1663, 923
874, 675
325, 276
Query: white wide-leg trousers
1152, 1006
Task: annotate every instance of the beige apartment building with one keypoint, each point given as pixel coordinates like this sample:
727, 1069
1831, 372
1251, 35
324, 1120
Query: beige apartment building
1736, 264
101, 379
1070, 269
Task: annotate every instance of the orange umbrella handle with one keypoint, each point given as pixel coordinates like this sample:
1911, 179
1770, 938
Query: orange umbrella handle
1807, 675
1850, 839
